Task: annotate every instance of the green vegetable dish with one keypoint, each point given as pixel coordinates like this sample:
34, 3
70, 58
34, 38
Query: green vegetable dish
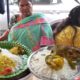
13, 60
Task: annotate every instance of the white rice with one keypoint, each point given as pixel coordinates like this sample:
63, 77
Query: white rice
14, 57
39, 67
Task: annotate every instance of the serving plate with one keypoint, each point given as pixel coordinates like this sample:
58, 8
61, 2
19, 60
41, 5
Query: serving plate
38, 66
24, 71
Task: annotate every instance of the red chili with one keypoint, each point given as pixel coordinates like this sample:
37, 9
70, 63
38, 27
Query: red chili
6, 71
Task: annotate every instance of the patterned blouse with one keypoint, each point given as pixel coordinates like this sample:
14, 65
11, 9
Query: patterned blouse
14, 20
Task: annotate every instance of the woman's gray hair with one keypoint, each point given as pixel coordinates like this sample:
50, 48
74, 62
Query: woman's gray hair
27, 0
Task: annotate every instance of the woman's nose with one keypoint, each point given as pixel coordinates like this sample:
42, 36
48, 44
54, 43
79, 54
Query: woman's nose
25, 7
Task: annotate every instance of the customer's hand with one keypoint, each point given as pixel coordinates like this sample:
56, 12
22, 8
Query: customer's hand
77, 78
5, 35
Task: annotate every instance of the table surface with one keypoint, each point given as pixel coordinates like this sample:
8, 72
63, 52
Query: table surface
30, 77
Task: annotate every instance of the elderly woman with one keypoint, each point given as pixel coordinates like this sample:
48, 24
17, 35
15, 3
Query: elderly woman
32, 30
67, 33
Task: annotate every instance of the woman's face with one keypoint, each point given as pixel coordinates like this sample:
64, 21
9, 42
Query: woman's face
25, 7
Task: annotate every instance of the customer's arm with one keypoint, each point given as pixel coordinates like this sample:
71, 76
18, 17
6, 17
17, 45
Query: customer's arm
12, 22
4, 36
